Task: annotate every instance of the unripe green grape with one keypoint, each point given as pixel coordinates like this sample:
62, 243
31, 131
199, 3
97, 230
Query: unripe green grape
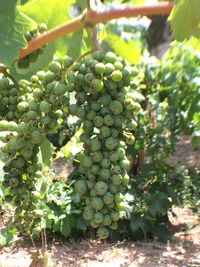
45, 106
80, 187
37, 93
98, 121
81, 97
98, 217
96, 106
55, 67
97, 85
130, 139
46, 120
14, 182
109, 68
89, 77
105, 99
88, 213
107, 220
103, 233
95, 169
114, 225
22, 106
105, 132
95, 145
31, 115
110, 57
81, 113
93, 193
4, 83
116, 75
111, 143
116, 169
97, 203
86, 162
114, 156
59, 89
108, 120
67, 61
124, 164
98, 55
88, 126
132, 125
90, 185
115, 216
116, 107
91, 115
85, 138
108, 198
71, 77
118, 65
105, 163
97, 156
73, 109
99, 68
104, 111
119, 197
116, 179
101, 188
105, 174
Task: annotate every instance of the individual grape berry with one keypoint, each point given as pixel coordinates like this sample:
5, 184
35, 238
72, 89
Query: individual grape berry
110, 57
116, 75
80, 187
101, 188
98, 121
100, 68
98, 217
55, 67
116, 107
97, 203
97, 85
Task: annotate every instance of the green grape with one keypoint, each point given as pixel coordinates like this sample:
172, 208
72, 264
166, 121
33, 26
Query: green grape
96, 203
110, 57
101, 188
97, 85
116, 107
99, 68
98, 121
109, 68
116, 75
80, 187
116, 179
95, 145
105, 174
109, 120
55, 67
111, 143
97, 156
108, 198
98, 217
103, 232
45, 106
59, 89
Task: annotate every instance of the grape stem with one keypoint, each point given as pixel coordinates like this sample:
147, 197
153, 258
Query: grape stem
91, 17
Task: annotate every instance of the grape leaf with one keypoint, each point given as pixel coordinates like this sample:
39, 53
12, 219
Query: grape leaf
74, 44
13, 23
185, 19
46, 151
129, 50
53, 14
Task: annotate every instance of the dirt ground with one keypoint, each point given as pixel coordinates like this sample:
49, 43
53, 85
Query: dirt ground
182, 251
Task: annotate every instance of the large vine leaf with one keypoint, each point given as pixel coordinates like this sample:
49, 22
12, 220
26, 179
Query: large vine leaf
185, 19
13, 23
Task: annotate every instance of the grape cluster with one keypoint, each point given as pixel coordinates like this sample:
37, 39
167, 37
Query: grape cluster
24, 62
102, 84
36, 112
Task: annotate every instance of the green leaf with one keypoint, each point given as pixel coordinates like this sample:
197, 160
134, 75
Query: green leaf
185, 19
74, 44
13, 24
41, 63
46, 151
66, 226
5, 237
130, 49
53, 14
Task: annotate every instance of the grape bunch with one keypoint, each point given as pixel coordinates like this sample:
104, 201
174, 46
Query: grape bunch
104, 104
24, 62
36, 113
